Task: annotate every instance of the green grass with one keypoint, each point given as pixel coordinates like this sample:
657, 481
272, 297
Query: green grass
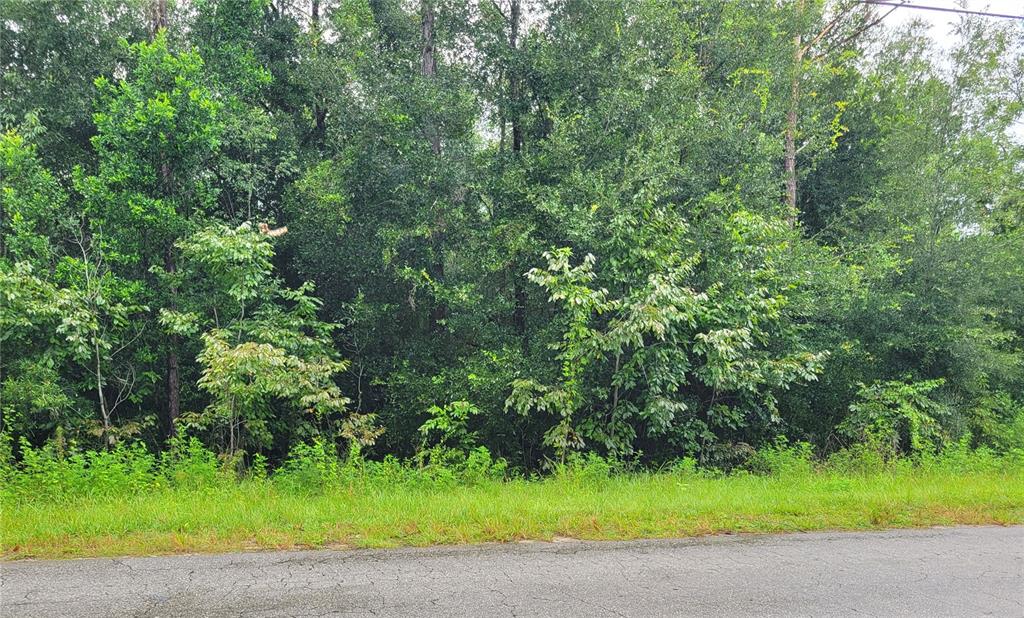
253, 515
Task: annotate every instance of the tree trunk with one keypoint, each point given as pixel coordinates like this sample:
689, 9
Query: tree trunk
791, 123
519, 312
515, 106
428, 66
513, 78
791, 116
173, 378
157, 17
173, 389
104, 412
318, 105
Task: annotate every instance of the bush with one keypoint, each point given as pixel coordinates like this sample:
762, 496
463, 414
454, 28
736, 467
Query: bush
687, 466
898, 416
480, 467
589, 468
187, 463
998, 421
960, 458
441, 465
783, 459
857, 460
310, 468
123, 470
7, 463
53, 473
389, 472
56, 473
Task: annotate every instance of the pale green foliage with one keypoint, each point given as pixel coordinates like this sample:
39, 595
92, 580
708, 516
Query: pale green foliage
27, 300
157, 132
62, 472
237, 260
32, 396
448, 425
32, 391
68, 291
312, 467
31, 202
783, 458
99, 320
244, 377
998, 421
580, 346
896, 416
450, 450
665, 340
270, 351
95, 311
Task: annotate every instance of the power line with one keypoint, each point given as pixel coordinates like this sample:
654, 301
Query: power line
940, 8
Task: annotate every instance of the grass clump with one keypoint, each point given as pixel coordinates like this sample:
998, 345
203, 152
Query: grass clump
126, 501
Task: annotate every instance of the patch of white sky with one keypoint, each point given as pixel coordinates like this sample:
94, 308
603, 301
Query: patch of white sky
941, 24
940, 28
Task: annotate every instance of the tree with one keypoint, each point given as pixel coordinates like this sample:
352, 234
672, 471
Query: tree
267, 361
33, 392
62, 308
931, 160
796, 215
157, 131
50, 53
100, 321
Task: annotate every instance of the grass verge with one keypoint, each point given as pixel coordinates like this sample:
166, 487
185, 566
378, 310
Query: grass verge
259, 515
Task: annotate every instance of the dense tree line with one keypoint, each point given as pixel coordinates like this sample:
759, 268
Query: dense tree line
648, 229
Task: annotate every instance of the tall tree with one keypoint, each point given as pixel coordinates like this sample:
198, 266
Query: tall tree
158, 129
50, 53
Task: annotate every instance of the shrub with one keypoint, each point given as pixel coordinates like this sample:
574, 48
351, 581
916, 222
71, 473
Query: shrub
860, 459
443, 466
589, 468
960, 458
187, 463
258, 470
783, 459
53, 472
686, 466
896, 416
7, 465
389, 472
998, 421
123, 470
448, 425
311, 468
480, 466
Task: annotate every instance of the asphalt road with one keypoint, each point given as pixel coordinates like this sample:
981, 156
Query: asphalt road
935, 572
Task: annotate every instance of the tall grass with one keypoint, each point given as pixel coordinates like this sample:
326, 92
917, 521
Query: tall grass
129, 502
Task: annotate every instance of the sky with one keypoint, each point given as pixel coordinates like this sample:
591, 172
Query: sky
940, 24
940, 21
